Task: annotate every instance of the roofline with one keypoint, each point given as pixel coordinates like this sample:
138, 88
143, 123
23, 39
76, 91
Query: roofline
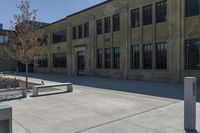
102, 3
5, 30
54, 22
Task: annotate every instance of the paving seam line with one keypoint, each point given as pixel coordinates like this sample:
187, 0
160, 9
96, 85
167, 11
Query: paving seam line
123, 118
22, 126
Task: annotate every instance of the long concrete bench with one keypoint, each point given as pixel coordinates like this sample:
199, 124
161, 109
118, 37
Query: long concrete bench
20, 89
36, 89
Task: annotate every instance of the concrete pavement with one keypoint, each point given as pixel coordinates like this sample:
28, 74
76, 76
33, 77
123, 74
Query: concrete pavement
96, 107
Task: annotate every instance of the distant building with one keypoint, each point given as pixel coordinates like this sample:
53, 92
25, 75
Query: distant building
6, 63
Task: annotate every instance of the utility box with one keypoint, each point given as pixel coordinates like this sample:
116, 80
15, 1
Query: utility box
190, 90
5, 119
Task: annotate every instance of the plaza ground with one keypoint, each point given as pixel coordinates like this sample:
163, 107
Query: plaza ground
101, 105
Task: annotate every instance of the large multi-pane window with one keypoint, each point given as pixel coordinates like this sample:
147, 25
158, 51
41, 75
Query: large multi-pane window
161, 11
59, 60
74, 32
107, 58
147, 55
135, 18
59, 36
43, 62
107, 24
99, 58
86, 30
135, 57
147, 15
161, 55
80, 31
192, 7
116, 58
192, 54
3, 39
116, 22
99, 26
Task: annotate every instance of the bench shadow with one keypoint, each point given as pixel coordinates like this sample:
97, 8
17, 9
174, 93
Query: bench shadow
50, 94
150, 88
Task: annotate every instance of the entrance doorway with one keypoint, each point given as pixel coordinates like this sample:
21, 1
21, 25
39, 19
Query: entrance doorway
80, 63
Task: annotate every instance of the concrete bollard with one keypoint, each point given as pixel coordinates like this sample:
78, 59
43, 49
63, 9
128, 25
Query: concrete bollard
190, 90
5, 119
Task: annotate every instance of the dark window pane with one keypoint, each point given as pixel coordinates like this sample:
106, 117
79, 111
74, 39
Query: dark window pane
80, 31
43, 62
116, 58
107, 25
135, 18
192, 7
74, 32
99, 58
99, 26
59, 60
135, 57
161, 55
107, 58
116, 22
147, 61
192, 54
161, 11
147, 15
86, 30
59, 36
4, 40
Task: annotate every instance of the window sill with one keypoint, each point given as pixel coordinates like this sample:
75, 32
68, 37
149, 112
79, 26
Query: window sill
195, 16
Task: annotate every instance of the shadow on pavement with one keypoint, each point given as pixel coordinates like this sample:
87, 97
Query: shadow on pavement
159, 89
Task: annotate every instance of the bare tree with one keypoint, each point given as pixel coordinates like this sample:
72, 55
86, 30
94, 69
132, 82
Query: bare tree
25, 37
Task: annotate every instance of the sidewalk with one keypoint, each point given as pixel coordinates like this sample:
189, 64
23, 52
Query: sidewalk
100, 105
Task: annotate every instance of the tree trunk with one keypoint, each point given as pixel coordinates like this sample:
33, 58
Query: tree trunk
26, 78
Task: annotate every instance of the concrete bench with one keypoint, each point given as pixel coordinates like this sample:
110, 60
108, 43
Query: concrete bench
20, 89
69, 87
5, 119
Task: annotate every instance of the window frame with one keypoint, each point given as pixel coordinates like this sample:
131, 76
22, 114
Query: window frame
74, 32
189, 12
161, 10
107, 25
99, 63
116, 22
147, 15
86, 30
135, 18
147, 56
135, 57
107, 58
63, 37
116, 58
161, 55
55, 65
189, 62
99, 26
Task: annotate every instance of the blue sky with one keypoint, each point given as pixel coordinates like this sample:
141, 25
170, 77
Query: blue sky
48, 10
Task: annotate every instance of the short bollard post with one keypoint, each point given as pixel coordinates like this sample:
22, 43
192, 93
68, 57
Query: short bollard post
5, 119
190, 86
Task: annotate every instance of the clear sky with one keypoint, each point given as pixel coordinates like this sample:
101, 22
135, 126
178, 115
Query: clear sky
48, 10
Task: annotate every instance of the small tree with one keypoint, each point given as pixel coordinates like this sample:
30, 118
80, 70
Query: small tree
25, 37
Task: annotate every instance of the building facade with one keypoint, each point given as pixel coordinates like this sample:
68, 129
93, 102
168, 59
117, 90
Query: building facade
156, 40
6, 63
